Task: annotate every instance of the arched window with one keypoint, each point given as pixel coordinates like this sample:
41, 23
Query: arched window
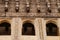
5, 28
28, 29
51, 29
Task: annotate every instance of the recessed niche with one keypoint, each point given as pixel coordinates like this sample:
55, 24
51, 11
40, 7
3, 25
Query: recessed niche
51, 29
5, 28
28, 29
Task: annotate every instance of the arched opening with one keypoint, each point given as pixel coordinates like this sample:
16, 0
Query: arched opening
28, 29
5, 28
51, 29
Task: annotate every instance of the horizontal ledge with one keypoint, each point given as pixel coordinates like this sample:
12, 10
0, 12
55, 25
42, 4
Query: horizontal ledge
33, 16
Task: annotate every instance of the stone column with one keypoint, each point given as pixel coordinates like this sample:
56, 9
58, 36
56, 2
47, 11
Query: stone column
20, 22
36, 24
58, 24
43, 29
14, 29
40, 28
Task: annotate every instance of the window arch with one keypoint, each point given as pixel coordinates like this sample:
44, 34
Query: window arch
5, 28
51, 29
28, 29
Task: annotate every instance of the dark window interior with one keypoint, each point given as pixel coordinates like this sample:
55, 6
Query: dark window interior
5, 28
51, 29
28, 29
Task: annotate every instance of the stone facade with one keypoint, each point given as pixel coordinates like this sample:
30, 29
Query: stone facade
37, 8
39, 25
37, 12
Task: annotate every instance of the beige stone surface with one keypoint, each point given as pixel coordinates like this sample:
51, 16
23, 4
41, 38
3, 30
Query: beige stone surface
39, 20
